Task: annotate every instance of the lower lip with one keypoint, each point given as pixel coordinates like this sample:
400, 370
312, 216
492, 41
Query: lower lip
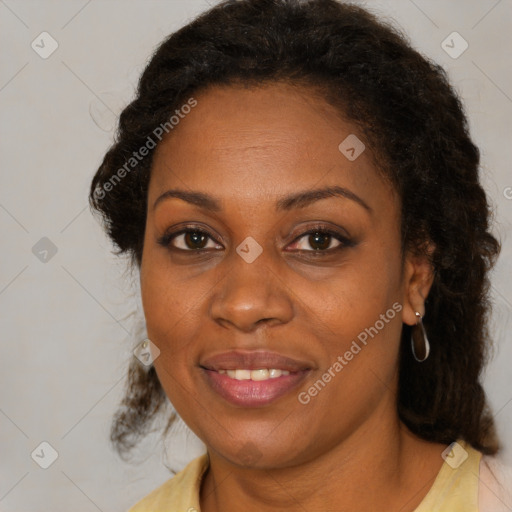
251, 393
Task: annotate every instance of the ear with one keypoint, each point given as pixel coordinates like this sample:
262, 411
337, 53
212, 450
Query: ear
418, 278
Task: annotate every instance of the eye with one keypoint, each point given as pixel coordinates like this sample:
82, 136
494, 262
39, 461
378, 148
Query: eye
321, 239
188, 239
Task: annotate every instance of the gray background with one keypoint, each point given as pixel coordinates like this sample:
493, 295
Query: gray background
69, 320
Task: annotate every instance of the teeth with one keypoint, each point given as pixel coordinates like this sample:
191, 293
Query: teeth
260, 374
242, 374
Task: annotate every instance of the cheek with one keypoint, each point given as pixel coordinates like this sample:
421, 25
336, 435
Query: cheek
171, 310
356, 317
357, 322
171, 313
169, 304
166, 290
353, 297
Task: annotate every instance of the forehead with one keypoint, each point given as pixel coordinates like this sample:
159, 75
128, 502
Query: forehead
250, 143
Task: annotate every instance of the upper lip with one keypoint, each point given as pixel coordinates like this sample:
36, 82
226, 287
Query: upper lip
253, 360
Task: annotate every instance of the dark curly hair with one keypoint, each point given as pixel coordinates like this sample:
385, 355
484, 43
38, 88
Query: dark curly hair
415, 126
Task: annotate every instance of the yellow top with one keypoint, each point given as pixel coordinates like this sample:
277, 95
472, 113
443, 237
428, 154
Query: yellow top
455, 488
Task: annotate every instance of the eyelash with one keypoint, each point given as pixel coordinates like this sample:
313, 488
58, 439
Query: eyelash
166, 239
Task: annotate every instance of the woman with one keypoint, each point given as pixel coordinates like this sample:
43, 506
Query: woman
298, 189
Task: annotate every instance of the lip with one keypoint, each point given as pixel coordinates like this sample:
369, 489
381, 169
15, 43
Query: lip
253, 360
249, 393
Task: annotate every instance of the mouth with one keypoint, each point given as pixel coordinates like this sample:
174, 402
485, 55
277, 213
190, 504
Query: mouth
253, 379
256, 375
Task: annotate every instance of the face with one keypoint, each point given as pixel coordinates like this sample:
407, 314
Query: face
246, 268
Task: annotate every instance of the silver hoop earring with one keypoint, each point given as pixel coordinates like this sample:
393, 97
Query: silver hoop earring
419, 341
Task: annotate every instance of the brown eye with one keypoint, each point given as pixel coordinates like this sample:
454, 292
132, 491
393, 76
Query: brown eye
320, 241
195, 239
189, 240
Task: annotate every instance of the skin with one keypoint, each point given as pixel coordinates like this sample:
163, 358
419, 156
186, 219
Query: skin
346, 449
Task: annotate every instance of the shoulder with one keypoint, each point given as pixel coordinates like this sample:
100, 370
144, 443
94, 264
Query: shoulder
456, 486
180, 492
495, 485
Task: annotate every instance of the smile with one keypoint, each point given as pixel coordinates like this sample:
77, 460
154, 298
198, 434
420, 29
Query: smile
257, 375
252, 388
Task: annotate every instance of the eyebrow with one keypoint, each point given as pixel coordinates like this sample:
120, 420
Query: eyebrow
297, 200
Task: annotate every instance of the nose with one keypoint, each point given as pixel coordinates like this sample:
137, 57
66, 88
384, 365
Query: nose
251, 295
